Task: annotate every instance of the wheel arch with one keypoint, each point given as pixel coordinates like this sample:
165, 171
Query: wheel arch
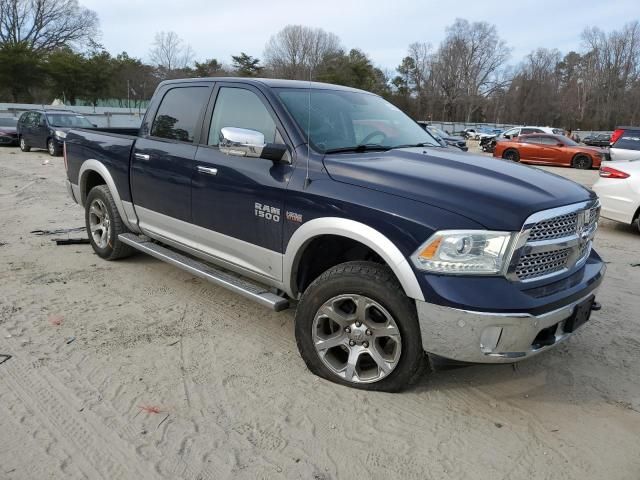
93, 173
357, 232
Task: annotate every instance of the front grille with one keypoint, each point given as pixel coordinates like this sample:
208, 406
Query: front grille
567, 235
557, 227
538, 264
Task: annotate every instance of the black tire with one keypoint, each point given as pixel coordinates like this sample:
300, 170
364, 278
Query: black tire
511, 154
114, 248
23, 145
53, 149
582, 162
378, 283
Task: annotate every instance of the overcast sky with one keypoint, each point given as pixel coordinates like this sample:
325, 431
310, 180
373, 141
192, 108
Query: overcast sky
382, 28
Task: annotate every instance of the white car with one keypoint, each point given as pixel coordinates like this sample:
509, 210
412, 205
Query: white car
517, 131
619, 190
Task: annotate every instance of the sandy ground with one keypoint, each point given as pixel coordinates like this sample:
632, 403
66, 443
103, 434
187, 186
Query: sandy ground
152, 373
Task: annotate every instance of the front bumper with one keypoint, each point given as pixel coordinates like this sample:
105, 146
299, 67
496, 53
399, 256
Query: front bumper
501, 336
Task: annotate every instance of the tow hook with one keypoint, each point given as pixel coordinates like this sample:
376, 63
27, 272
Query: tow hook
595, 306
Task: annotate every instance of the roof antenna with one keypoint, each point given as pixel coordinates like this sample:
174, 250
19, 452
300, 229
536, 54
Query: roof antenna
307, 179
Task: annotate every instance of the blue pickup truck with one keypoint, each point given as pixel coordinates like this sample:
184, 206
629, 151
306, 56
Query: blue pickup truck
332, 200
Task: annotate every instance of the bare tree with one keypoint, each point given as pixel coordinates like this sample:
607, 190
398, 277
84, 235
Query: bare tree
45, 25
469, 62
169, 51
296, 50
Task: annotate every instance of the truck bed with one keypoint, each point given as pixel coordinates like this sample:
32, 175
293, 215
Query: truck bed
111, 147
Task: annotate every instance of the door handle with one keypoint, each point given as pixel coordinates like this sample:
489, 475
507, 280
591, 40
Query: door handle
142, 156
207, 170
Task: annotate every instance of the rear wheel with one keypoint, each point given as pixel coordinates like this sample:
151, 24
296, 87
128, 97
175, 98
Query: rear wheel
355, 326
511, 155
104, 225
23, 145
582, 162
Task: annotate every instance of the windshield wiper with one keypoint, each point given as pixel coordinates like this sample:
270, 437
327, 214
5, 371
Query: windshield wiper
423, 144
360, 148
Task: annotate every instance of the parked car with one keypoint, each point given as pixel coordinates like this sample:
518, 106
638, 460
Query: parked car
597, 140
515, 132
48, 129
548, 150
625, 144
388, 243
619, 191
451, 140
8, 132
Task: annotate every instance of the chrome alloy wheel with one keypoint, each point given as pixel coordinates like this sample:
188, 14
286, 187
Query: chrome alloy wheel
51, 146
356, 338
99, 223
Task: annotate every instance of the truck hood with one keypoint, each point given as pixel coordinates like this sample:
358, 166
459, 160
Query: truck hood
495, 193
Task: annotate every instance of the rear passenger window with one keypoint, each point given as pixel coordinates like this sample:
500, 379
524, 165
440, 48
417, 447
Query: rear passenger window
179, 113
630, 140
238, 107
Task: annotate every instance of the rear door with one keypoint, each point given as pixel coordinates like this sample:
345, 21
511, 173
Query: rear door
238, 202
31, 129
163, 159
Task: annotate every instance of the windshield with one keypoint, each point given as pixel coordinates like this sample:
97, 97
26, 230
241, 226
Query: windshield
68, 120
340, 120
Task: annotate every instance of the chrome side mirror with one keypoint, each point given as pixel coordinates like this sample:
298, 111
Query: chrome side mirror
242, 142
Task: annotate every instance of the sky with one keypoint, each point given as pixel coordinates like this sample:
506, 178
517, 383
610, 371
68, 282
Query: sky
381, 28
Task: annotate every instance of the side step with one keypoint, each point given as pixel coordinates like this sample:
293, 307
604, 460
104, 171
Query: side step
208, 272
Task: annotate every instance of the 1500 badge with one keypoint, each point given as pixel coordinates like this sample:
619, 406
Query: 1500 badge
267, 212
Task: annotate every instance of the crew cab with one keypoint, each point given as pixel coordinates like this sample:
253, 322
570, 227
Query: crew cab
332, 200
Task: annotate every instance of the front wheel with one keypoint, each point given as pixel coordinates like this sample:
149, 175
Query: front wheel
53, 148
23, 145
355, 326
104, 225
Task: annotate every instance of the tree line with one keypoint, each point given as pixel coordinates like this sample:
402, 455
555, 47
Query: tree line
47, 52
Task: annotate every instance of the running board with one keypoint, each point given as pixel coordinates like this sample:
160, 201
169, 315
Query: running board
207, 272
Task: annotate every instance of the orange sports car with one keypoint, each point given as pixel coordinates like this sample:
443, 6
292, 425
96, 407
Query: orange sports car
546, 149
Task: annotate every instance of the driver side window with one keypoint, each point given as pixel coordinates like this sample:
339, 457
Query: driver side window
241, 108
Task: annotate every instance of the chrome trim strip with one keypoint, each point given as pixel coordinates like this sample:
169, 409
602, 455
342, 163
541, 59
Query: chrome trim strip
350, 229
98, 167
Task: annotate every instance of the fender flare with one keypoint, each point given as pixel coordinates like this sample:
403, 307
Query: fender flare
356, 231
125, 209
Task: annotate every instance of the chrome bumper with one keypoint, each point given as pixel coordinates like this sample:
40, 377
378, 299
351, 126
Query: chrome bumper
482, 337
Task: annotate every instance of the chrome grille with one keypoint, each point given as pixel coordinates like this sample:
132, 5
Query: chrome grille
539, 264
557, 227
554, 241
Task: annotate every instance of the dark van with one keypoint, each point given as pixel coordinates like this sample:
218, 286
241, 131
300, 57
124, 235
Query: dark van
48, 129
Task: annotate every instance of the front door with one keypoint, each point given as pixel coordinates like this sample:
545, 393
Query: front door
238, 202
163, 161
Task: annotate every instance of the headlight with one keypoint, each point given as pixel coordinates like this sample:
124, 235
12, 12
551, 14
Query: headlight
464, 252
60, 134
